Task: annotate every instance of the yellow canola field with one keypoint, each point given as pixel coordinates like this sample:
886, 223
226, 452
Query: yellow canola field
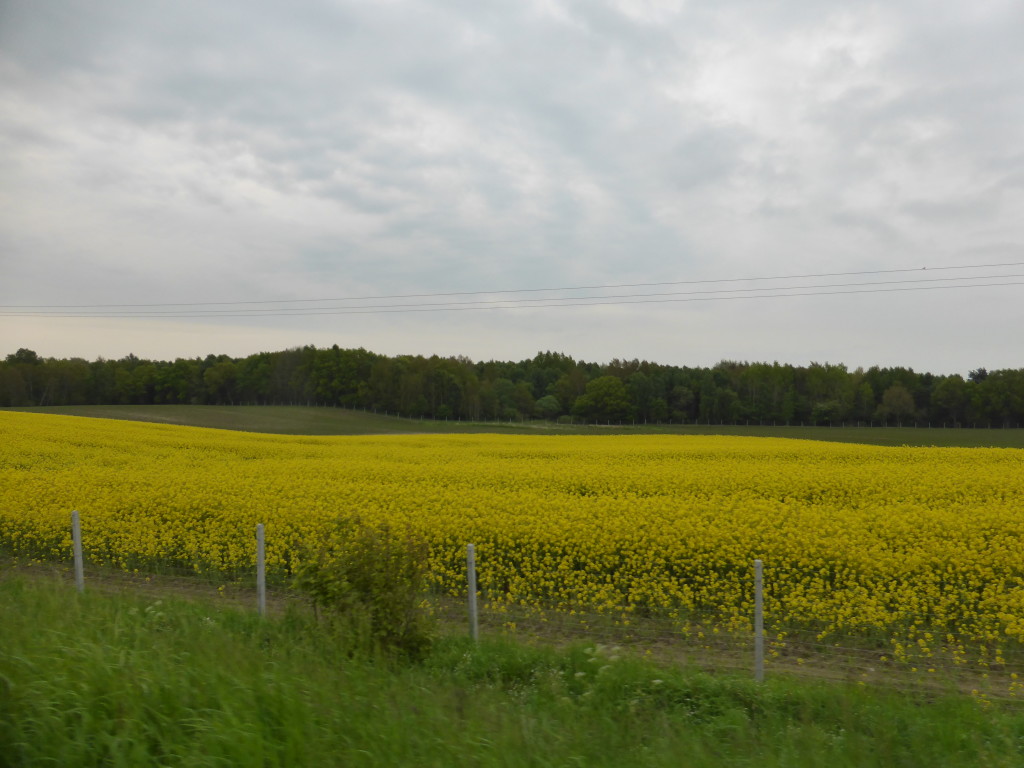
855, 539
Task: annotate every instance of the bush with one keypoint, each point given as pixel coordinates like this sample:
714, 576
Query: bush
370, 578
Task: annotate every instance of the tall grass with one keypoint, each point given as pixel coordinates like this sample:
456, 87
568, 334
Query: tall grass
90, 680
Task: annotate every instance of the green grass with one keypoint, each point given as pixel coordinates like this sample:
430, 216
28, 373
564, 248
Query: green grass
301, 420
119, 680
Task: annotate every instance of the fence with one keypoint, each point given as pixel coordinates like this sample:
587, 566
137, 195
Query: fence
749, 644
703, 421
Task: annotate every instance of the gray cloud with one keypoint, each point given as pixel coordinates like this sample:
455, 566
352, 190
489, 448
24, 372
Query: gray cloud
237, 151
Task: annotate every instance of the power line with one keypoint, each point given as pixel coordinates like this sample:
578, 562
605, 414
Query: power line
516, 290
507, 303
399, 309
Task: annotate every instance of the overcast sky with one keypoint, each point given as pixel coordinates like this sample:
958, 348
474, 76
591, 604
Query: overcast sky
197, 155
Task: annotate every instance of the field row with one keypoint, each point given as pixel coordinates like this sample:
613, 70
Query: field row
911, 546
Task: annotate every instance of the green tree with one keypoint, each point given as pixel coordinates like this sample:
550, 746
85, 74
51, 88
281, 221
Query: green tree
506, 393
472, 405
658, 409
254, 378
220, 379
897, 403
829, 390
865, 404
707, 391
568, 387
641, 391
680, 402
523, 398
548, 407
24, 357
489, 404
998, 398
24, 383
949, 398
605, 399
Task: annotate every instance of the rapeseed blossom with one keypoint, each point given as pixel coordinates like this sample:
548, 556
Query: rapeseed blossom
918, 546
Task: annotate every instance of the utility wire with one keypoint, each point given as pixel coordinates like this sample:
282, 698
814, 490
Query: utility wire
517, 290
494, 303
462, 308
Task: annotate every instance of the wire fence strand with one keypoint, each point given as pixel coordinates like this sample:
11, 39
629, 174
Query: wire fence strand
912, 658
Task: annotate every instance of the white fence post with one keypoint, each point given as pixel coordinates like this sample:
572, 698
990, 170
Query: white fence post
261, 571
474, 629
76, 540
758, 622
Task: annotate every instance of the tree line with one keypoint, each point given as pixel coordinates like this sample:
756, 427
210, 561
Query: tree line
548, 386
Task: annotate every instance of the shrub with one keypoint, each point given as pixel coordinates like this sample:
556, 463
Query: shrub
370, 578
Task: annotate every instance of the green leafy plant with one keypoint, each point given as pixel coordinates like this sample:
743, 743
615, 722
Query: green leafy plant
369, 579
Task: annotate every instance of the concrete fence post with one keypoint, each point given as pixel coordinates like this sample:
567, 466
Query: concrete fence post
758, 622
261, 571
76, 541
474, 628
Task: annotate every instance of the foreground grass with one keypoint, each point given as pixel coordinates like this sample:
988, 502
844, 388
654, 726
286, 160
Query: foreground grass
122, 680
300, 420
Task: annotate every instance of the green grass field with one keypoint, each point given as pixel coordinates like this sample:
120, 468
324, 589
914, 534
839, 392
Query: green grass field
300, 420
128, 680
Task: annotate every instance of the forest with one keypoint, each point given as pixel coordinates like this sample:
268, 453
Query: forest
549, 386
